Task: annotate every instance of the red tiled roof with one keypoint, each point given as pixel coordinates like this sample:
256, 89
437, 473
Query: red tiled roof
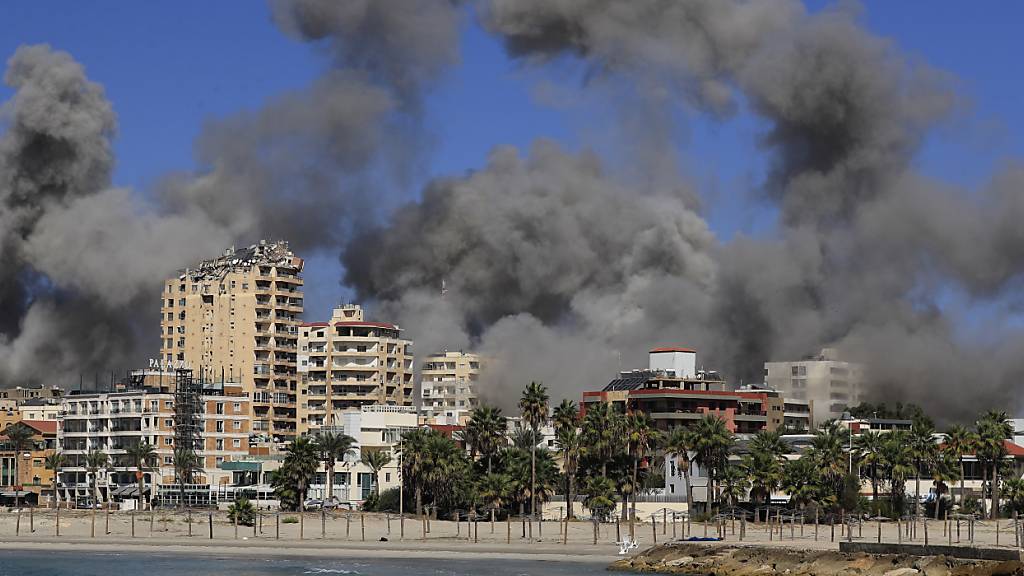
42, 426
1013, 449
673, 349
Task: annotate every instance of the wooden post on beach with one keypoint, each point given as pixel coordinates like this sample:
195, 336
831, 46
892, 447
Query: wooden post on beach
957, 529
879, 528
362, 526
771, 529
401, 526
654, 529
211, 525
595, 531
389, 523
664, 520
152, 519
323, 523
348, 526
17, 525
832, 526
302, 521
743, 526
132, 514
255, 522
476, 527
277, 525
565, 531
423, 526
949, 532
188, 518
925, 524
508, 528
997, 532
234, 520
1016, 531
57, 524
815, 523
31, 519
106, 519
899, 530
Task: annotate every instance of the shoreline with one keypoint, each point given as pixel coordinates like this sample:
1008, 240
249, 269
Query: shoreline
310, 549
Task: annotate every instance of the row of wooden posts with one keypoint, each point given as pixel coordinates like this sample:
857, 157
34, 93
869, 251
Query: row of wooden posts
721, 527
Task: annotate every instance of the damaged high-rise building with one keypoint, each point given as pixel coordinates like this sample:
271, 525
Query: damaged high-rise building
236, 317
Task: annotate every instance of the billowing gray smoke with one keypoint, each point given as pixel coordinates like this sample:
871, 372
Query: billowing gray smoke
82, 263
863, 256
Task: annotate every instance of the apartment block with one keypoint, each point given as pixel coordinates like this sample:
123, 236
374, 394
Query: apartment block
831, 383
348, 363
448, 387
113, 422
236, 318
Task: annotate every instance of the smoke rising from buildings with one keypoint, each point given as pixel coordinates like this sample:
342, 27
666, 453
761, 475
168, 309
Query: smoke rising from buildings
555, 264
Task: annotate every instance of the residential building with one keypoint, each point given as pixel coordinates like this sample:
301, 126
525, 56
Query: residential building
832, 384
235, 318
21, 393
448, 387
674, 393
348, 363
40, 409
113, 422
34, 481
374, 427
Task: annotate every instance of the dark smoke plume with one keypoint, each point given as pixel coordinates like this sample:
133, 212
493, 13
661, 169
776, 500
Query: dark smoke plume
862, 254
83, 262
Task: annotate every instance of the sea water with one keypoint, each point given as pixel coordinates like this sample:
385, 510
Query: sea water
38, 563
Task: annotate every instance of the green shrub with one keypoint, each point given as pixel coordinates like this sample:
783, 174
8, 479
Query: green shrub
242, 512
386, 502
290, 520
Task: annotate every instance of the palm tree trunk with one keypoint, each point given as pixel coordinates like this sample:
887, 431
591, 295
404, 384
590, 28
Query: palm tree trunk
17, 497
569, 495
329, 464
636, 464
995, 490
984, 480
917, 487
874, 487
963, 472
533, 476
419, 501
689, 489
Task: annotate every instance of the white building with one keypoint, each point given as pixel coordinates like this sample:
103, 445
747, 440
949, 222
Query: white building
833, 385
448, 388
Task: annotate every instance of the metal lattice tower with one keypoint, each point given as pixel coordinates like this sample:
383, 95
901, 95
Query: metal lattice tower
188, 417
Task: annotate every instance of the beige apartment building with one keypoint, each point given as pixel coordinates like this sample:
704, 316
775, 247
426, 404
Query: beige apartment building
236, 318
348, 363
830, 384
448, 388
113, 422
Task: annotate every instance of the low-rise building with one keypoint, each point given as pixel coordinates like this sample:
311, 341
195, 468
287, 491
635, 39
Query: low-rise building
830, 382
448, 387
34, 482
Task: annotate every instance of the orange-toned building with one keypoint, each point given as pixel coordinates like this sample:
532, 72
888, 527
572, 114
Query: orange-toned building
34, 480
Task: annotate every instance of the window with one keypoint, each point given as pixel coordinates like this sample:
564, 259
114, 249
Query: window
236, 443
170, 302
170, 315
237, 407
237, 424
169, 423
170, 343
168, 441
220, 425
168, 460
220, 443
170, 330
181, 301
169, 404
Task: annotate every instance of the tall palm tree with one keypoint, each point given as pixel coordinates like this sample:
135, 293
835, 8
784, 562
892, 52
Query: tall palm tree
19, 436
944, 470
713, 442
494, 488
375, 460
297, 471
828, 452
186, 462
642, 438
800, 480
414, 461
601, 427
924, 451
332, 447
142, 457
679, 444
534, 407
486, 430
569, 442
899, 462
55, 461
770, 442
960, 441
993, 429
94, 462
869, 451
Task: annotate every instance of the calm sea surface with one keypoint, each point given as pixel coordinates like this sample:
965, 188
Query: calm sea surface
107, 564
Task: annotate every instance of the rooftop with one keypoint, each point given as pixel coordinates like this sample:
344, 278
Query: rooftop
262, 254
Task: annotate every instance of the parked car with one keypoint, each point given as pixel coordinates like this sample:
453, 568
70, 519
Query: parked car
313, 504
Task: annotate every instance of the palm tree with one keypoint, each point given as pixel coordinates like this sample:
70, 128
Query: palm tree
869, 450
899, 461
55, 461
642, 437
828, 452
601, 426
486, 431
414, 461
534, 407
186, 462
332, 447
94, 462
944, 469
765, 474
734, 484
924, 451
566, 414
19, 436
801, 481
292, 479
680, 443
713, 442
568, 441
375, 460
993, 429
1014, 489
141, 456
960, 441
770, 442
600, 493
494, 488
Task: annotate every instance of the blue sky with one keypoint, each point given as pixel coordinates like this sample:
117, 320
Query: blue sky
168, 67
